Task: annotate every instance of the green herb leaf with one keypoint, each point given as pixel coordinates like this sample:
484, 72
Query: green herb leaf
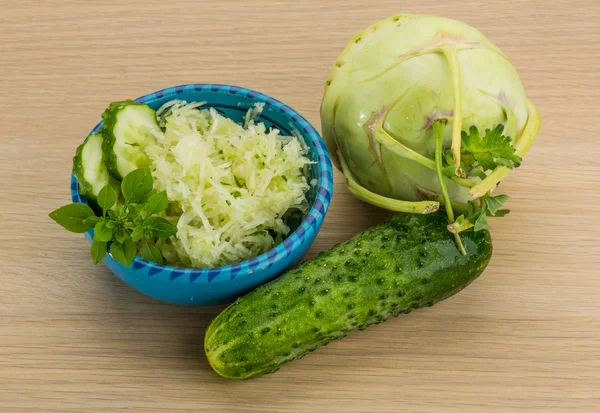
284, 178
123, 252
98, 251
136, 185
121, 234
491, 150
156, 203
145, 198
494, 203
481, 221
91, 221
135, 211
138, 232
489, 208
107, 198
130, 249
501, 212
448, 165
236, 194
151, 253
102, 232
71, 217
162, 228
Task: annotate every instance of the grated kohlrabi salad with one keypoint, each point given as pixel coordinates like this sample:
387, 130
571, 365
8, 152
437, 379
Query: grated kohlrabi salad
229, 186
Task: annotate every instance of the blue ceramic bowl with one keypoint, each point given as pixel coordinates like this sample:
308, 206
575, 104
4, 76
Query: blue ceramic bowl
208, 286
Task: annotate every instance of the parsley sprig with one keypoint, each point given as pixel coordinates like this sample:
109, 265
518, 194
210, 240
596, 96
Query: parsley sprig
482, 153
478, 155
126, 226
492, 150
478, 211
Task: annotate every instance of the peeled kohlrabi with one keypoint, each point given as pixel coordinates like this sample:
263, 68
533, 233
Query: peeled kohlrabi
393, 84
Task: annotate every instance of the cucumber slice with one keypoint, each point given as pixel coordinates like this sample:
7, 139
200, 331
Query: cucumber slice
89, 168
128, 128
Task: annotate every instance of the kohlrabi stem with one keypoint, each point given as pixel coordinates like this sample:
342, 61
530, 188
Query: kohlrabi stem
385, 139
438, 131
419, 207
456, 229
522, 145
451, 54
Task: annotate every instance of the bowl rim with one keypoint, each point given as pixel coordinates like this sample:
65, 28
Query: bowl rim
307, 229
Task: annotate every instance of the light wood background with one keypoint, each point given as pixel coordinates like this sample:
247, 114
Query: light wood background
74, 338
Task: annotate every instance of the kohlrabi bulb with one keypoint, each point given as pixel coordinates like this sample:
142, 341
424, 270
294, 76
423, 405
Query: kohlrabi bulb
391, 83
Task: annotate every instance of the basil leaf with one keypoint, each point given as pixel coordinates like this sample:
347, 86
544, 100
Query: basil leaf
136, 211
116, 251
102, 232
91, 221
98, 251
138, 232
136, 185
71, 217
121, 234
162, 228
156, 203
152, 253
107, 198
130, 249
123, 253
145, 198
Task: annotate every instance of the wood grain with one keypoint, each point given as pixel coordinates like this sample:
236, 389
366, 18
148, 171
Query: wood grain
73, 338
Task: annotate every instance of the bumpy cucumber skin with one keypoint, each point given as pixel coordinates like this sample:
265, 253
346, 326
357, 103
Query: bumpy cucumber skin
110, 118
411, 261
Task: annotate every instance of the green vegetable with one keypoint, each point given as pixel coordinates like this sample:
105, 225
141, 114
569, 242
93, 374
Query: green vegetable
389, 88
152, 253
90, 170
490, 151
406, 263
73, 217
128, 129
130, 226
98, 251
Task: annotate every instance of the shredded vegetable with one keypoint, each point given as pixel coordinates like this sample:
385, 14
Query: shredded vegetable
229, 186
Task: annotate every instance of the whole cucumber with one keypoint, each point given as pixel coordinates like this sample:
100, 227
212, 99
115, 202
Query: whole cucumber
411, 261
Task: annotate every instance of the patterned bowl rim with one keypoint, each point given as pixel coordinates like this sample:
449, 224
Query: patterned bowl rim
309, 225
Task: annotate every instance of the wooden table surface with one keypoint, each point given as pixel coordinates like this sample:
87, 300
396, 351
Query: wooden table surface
74, 338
